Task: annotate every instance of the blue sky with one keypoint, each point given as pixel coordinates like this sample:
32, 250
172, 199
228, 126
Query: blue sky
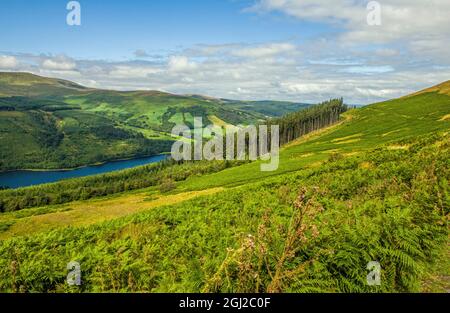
114, 29
300, 50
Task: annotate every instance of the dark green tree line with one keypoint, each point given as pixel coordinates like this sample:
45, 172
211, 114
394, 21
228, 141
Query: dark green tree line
294, 125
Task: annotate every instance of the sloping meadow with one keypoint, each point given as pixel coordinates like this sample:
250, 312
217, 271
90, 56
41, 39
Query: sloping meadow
314, 230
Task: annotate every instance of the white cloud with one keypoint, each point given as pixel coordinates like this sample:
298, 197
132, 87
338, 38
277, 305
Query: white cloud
181, 64
129, 71
411, 21
311, 71
386, 52
343, 62
308, 87
368, 69
378, 93
267, 50
8, 62
58, 63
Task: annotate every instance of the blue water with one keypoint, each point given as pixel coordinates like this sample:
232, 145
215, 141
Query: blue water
17, 179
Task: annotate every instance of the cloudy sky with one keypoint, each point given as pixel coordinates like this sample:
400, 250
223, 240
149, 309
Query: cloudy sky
300, 50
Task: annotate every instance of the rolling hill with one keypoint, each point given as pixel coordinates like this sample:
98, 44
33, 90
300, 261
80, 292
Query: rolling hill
374, 187
48, 123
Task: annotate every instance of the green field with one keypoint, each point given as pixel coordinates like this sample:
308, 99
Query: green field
374, 187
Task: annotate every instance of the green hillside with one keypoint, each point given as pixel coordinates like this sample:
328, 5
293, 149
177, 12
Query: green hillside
384, 123
374, 187
48, 123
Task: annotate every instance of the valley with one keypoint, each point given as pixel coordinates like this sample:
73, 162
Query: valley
55, 124
374, 186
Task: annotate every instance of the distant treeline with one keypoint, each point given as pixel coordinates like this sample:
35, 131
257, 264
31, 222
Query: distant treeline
20, 103
297, 124
291, 127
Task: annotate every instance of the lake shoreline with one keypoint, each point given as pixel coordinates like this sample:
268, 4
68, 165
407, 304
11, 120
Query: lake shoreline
25, 178
82, 166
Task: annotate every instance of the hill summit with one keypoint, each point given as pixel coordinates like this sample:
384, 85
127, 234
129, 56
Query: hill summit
442, 88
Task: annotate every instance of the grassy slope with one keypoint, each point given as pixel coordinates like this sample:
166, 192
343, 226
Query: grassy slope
182, 246
363, 129
74, 113
90, 212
